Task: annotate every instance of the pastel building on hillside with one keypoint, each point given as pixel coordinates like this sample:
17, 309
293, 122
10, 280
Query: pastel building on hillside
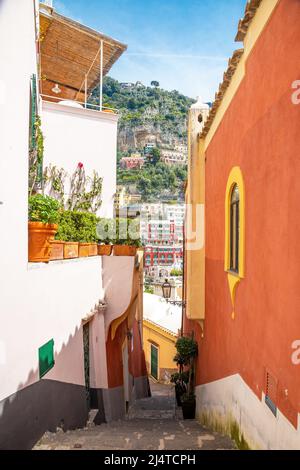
68, 343
242, 263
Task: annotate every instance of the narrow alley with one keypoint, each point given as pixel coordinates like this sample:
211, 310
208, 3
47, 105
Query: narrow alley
152, 424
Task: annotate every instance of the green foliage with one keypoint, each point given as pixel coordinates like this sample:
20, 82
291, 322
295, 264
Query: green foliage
176, 272
155, 181
187, 348
149, 290
77, 227
85, 192
135, 104
180, 377
43, 209
187, 351
119, 231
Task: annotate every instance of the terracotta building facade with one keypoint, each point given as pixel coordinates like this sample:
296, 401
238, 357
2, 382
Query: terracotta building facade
241, 286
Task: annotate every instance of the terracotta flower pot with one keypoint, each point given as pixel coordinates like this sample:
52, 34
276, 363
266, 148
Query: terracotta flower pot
104, 250
57, 250
71, 250
124, 250
93, 249
39, 236
84, 250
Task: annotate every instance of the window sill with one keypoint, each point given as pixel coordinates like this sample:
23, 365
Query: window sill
233, 273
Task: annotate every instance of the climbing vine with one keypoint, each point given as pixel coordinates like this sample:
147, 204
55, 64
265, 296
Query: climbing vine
84, 192
54, 182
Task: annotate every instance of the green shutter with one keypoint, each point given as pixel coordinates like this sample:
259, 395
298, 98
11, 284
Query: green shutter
154, 361
34, 117
33, 113
46, 357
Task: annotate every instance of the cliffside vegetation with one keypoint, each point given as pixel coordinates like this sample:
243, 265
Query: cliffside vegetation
148, 114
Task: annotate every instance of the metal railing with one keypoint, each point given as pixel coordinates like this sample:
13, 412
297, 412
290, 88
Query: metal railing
90, 106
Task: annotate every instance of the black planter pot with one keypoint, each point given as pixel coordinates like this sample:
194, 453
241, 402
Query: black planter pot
189, 409
178, 398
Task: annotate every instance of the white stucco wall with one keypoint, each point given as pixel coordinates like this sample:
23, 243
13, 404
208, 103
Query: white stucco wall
117, 284
40, 302
231, 398
73, 135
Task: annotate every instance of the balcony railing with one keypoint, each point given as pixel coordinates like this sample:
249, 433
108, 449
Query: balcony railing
90, 106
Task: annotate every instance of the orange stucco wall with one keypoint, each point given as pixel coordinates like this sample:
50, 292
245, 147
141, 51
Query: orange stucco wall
260, 133
136, 365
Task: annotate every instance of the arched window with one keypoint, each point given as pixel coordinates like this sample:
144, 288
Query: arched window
234, 225
235, 231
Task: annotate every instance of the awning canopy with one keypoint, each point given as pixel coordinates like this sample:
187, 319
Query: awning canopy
69, 51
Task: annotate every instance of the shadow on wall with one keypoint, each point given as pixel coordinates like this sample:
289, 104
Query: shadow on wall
43, 405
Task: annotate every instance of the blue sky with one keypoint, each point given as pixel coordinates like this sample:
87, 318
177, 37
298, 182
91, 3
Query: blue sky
183, 44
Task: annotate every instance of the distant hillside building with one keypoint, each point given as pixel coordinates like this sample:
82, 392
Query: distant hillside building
134, 162
174, 157
126, 85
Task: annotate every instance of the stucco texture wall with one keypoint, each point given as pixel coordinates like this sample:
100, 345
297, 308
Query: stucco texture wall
260, 134
73, 135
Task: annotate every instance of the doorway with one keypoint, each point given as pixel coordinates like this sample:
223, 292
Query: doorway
154, 362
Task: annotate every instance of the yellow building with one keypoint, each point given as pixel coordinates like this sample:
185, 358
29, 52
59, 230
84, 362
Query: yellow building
160, 332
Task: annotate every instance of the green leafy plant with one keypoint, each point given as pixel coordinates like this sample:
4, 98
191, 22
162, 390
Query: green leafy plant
85, 191
176, 272
43, 209
77, 227
187, 351
54, 182
119, 231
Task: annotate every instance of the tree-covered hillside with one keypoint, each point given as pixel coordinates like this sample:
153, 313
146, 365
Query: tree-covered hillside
152, 107
148, 114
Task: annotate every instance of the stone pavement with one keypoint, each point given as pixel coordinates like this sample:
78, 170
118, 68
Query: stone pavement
152, 424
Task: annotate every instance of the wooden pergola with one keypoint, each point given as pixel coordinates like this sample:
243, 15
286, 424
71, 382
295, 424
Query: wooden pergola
73, 58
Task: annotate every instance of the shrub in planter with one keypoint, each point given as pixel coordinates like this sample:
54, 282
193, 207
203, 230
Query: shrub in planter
187, 351
180, 379
127, 237
43, 214
188, 403
106, 233
78, 230
67, 233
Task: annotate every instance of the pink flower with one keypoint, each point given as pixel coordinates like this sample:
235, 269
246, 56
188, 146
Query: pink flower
80, 165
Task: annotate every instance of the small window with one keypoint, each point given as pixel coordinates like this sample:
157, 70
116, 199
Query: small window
46, 358
234, 228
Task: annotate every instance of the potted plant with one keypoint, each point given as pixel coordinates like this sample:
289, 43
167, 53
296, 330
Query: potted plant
43, 217
57, 249
180, 379
86, 224
67, 233
128, 239
187, 350
106, 236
